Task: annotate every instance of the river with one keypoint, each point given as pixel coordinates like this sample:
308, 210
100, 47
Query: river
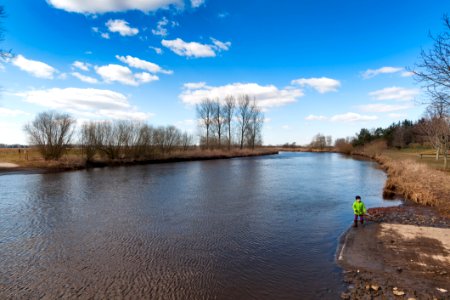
243, 228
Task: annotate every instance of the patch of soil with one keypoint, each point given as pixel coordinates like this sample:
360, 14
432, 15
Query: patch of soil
401, 253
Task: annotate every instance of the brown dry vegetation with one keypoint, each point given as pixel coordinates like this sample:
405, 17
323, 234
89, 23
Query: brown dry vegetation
412, 178
74, 159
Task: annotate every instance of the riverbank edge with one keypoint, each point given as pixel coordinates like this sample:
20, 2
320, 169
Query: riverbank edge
397, 185
74, 166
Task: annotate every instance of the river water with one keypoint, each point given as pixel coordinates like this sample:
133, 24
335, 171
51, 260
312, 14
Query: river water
244, 228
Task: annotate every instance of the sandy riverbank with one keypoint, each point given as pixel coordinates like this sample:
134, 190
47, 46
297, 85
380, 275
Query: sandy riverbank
400, 252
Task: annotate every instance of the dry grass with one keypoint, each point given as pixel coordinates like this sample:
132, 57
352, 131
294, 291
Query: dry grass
74, 159
420, 180
414, 155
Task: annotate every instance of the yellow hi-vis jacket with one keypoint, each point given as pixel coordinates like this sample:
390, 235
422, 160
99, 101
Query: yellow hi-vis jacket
359, 208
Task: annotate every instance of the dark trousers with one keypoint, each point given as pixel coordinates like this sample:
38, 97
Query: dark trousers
361, 218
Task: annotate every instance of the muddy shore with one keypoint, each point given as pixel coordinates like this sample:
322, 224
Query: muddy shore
400, 253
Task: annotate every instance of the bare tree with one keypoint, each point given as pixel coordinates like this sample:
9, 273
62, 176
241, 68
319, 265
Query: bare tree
51, 133
319, 141
255, 125
186, 141
144, 143
218, 120
205, 114
243, 116
88, 140
229, 107
433, 69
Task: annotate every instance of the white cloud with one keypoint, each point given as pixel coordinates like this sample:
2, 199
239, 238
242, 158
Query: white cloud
197, 3
370, 73
221, 45
315, 118
145, 77
194, 49
93, 103
6, 112
194, 85
395, 93
81, 65
84, 78
34, 67
286, 127
116, 73
407, 74
104, 35
103, 6
266, 96
383, 107
157, 50
161, 27
322, 84
121, 27
352, 117
223, 15
138, 63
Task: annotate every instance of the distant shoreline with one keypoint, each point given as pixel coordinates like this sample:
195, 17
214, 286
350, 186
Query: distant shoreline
73, 165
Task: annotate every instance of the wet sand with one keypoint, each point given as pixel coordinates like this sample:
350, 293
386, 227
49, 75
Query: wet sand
402, 251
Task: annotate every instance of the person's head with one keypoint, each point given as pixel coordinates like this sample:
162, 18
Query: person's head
358, 198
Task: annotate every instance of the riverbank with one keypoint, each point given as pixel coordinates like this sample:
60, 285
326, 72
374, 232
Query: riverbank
402, 251
33, 163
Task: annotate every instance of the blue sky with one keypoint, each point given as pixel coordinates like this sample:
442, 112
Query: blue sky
330, 67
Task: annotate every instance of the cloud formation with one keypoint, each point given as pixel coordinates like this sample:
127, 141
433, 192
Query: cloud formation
81, 65
194, 49
395, 93
370, 73
85, 78
197, 3
322, 84
265, 96
161, 27
104, 6
347, 117
138, 63
352, 117
121, 27
6, 112
117, 73
34, 67
92, 103
315, 118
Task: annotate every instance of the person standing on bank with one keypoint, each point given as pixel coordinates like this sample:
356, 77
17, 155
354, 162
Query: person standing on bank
359, 209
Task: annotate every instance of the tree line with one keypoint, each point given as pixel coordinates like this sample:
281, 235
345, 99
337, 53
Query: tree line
231, 122
53, 133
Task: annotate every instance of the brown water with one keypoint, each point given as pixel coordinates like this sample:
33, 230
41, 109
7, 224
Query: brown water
248, 228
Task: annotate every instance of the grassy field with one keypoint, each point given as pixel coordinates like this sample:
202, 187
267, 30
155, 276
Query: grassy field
414, 155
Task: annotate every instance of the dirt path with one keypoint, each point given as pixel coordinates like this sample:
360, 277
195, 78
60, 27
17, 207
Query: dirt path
388, 260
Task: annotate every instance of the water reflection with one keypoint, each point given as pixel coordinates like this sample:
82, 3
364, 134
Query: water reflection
260, 228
